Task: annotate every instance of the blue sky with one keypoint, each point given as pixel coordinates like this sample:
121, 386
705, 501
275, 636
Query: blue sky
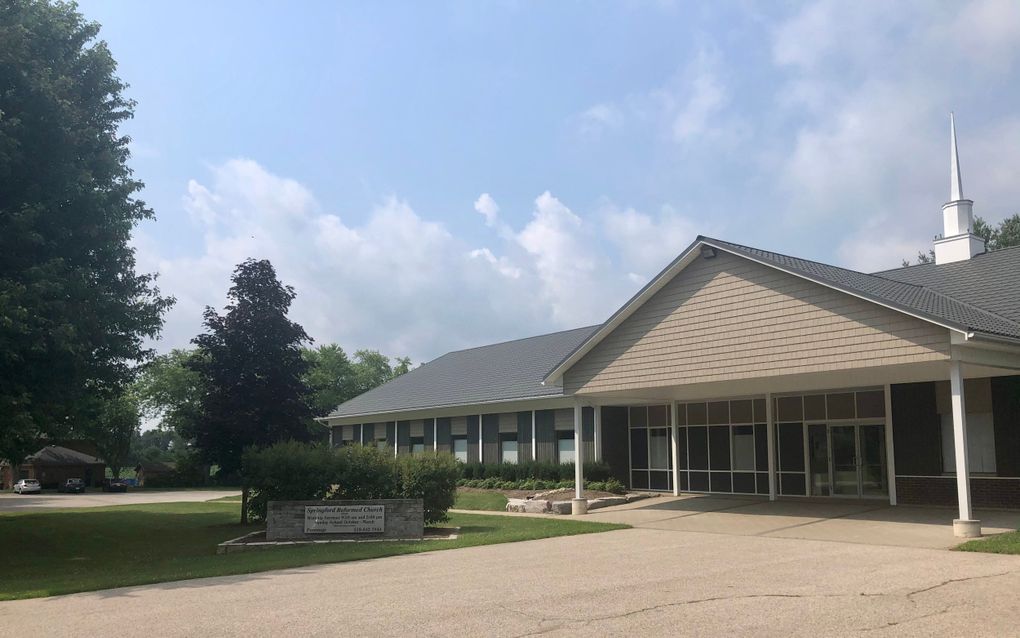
431, 176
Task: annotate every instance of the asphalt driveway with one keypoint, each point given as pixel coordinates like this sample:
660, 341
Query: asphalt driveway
848, 521
10, 502
644, 582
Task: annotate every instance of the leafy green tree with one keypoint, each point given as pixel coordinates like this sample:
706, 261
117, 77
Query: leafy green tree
330, 376
74, 314
170, 390
116, 429
1005, 235
158, 444
252, 369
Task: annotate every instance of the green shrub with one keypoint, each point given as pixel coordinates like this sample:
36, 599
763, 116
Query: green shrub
363, 472
287, 472
538, 470
432, 478
300, 471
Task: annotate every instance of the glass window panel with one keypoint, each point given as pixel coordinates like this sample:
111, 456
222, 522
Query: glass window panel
980, 442
639, 417
658, 447
658, 416
719, 412
460, 450
719, 447
743, 482
763, 482
791, 484
697, 447
789, 409
681, 445
565, 450
697, 414
871, 404
508, 451
638, 448
684, 484
721, 482
639, 480
699, 481
417, 448
814, 407
658, 480
741, 412
761, 447
818, 456
759, 411
791, 447
841, 406
743, 447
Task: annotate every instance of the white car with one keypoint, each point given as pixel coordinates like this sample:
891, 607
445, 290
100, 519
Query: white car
27, 486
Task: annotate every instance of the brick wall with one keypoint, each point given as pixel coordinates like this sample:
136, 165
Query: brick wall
404, 518
941, 490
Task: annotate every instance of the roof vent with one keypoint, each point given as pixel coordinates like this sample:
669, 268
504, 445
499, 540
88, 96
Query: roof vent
707, 251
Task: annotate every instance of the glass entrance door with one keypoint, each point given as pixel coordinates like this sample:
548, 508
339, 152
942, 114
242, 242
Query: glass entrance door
858, 460
843, 446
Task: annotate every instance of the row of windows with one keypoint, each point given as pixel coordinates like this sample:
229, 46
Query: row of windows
508, 447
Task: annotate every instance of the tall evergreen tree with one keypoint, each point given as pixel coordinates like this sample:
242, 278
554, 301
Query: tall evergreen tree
252, 370
74, 314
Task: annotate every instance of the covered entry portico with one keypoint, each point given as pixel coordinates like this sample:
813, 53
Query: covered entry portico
806, 437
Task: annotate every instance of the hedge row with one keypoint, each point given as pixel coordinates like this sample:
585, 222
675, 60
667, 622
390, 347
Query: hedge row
609, 485
537, 470
300, 471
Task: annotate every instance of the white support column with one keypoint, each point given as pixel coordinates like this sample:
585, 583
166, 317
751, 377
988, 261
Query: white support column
579, 504
435, 434
771, 437
597, 429
890, 455
965, 526
396, 438
361, 433
481, 444
534, 443
675, 439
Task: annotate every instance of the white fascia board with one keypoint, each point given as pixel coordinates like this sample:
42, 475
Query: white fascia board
523, 404
655, 285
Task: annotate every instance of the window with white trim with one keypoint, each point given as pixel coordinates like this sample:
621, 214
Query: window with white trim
460, 448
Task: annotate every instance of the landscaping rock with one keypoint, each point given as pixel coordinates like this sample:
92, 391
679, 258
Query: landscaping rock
527, 505
561, 507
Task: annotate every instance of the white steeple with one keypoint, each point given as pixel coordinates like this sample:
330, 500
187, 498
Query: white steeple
958, 242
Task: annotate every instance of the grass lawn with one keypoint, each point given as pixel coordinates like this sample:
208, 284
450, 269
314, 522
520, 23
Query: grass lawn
1008, 543
490, 501
65, 551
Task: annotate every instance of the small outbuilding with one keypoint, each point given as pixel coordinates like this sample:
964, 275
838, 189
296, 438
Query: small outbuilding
54, 463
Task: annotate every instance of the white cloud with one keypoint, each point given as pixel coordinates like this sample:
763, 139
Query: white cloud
599, 118
870, 87
395, 282
647, 244
705, 98
486, 206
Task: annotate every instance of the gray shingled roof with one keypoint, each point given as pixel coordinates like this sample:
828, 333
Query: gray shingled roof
990, 281
59, 455
924, 300
500, 372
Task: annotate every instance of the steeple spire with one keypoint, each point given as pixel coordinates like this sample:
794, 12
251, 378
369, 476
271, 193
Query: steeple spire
958, 241
956, 182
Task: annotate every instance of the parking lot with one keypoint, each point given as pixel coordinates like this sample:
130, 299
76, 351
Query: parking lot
94, 497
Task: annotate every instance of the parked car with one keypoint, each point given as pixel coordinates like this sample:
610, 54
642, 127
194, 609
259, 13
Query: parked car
114, 485
27, 486
72, 485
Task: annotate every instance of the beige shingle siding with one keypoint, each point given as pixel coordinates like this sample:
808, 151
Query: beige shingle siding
731, 318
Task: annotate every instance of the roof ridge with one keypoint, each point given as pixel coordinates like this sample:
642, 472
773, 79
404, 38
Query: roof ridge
500, 343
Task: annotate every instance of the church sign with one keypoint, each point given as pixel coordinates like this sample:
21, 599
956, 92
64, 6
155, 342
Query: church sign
345, 519
396, 518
